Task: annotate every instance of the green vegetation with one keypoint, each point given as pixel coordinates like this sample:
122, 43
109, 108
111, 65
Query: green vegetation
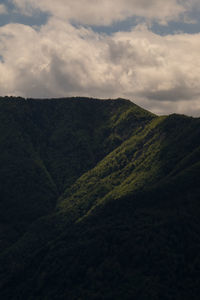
99, 200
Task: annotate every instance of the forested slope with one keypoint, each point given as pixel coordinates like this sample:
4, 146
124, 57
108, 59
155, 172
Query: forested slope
99, 200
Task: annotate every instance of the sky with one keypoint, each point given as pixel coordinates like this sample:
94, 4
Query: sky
147, 51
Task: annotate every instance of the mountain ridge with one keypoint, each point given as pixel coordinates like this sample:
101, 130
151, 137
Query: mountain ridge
84, 184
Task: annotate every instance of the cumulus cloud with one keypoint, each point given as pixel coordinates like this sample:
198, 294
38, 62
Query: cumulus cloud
3, 9
105, 12
57, 60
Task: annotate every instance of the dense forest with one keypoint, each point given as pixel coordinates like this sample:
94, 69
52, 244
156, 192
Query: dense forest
99, 199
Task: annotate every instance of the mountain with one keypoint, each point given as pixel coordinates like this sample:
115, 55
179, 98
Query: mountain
99, 200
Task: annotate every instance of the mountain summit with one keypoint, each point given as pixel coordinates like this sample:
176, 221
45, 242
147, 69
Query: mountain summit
99, 200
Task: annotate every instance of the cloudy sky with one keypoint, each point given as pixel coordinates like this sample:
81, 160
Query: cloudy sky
147, 51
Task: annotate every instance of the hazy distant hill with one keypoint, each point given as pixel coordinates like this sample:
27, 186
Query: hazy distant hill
98, 200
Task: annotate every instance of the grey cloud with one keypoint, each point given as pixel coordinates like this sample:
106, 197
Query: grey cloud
105, 12
177, 93
58, 60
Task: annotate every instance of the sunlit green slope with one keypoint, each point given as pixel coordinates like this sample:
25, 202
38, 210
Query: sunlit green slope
165, 147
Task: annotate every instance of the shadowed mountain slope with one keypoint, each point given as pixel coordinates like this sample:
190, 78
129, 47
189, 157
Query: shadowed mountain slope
100, 200
46, 145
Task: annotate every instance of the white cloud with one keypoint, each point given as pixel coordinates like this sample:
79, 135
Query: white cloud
105, 12
3, 9
57, 60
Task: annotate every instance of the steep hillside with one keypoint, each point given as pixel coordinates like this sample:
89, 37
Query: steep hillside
154, 154
45, 145
100, 200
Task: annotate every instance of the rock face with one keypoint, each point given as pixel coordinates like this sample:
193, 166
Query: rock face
98, 200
